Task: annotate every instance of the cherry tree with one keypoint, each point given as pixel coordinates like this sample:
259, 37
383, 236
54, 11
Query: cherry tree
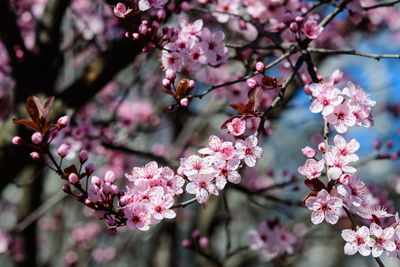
219, 132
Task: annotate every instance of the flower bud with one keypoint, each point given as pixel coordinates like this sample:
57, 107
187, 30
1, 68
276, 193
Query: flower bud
161, 14
87, 202
287, 18
83, 156
294, 27
389, 144
184, 102
166, 83
143, 29
94, 194
203, 242
63, 121
170, 75
96, 181
308, 152
80, 197
106, 188
89, 168
196, 234
35, 155
37, 138
185, 6
114, 190
299, 19
186, 243
109, 177
63, 150
73, 178
252, 83
135, 36
377, 144
321, 147
191, 84
260, 67
17, 141
155, 25
66, 188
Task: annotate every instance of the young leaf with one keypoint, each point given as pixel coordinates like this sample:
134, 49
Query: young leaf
34, 110
27, 123
314, 184
182, 88
47, 108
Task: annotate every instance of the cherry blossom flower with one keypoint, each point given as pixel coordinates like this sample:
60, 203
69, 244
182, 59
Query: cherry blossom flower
138, 216
195, 164
227, 170
226, 6
191, 28
357, 93
121, 11
160, 205
338, 163
312, 168
381, 239
341, 118
354, 192
248, 150
173, 183
326, 97
236, 127
346, 149
147, 4
202, 186
357, 241
324, 206
311, 29
171, 60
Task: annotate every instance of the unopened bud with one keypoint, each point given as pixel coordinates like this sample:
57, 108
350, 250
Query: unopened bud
66, 188
191, 84
203, 242
294, 27
83, 156
37, 138
252, 83
17, 141
260, 67
63, 121
73, 178
166, 83
184, 102
63, 150
35, 155
89, 168
109, 177
170, 75
186, 243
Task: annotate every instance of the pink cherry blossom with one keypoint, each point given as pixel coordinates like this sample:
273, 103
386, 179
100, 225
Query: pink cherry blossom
326, 97
346, 149
195, 164
227, 170
341, 118
308, 152
202, 186
324, 206
311, 29
160, 206
355, 92
147, 4
357, 241
236, 127
354, 192
312, 168
338, 163
121, 11
248, 150
138, 216
381, 239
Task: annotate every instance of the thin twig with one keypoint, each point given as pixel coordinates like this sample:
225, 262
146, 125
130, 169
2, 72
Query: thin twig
385, 4
351, 52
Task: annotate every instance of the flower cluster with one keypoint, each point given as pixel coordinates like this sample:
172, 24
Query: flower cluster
193, 47
274, 240
342, 108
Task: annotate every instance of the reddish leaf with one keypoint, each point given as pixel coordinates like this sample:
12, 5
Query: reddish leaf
255, 97
47, 108
69, 170
376, 220
35, 109
27, 123
223, 126
314, 184
237, 108
182, 88
269, 81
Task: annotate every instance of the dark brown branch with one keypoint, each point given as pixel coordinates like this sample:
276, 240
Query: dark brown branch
385, 4
351, 52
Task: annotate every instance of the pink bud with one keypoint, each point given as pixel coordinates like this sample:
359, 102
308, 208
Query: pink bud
66, 188
377, 144
63, 121
114, 190
35, 155
94, 194
89, 168
287, 18
96, 181
145, 22
127, 34
308, 152
87, 202
155, 25
196, 234
106, 188
299, 19
185, 6
166, 83
260, 67
83, 156
203, 242
63, 150
284, 172
270, 172
294, 27
143, 29
186, 243
344, 179
393, 156
73, 178
170, 74
161, 14
321, 147
109, 177
135, 36
123, 200
252, 83
37, 138
17, 141
389, 144
191, 84
184, 102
